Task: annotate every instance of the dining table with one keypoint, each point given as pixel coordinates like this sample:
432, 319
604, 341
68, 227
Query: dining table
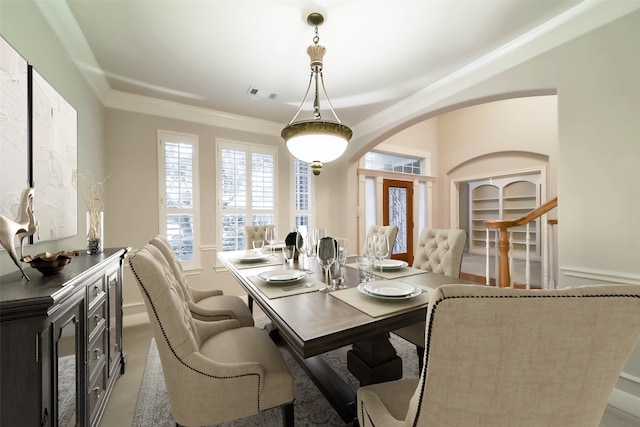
312, 322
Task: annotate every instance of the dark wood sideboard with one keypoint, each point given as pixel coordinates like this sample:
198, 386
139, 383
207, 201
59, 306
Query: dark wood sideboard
61, 342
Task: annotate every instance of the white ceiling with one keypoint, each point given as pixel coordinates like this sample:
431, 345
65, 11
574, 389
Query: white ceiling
209, 53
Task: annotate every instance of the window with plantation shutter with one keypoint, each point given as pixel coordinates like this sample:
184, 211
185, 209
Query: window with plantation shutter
246, 176
178, 159
302, 184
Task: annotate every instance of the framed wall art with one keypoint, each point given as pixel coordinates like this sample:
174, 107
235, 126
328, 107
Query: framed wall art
14, 144
54, 161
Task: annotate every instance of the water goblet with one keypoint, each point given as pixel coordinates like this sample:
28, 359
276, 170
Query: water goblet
287, 254
363, 274
326, 257
257, 245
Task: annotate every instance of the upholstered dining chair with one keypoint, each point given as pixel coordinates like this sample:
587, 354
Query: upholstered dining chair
206, 305
255, 232
388, 231
513, 357
438, 251
214, 371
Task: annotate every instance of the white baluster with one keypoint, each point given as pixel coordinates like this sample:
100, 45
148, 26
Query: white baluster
511, 258
527, 265
487, 246
496, 258
552, 274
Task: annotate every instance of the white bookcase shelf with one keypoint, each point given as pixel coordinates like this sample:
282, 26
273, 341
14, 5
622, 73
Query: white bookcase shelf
503, 199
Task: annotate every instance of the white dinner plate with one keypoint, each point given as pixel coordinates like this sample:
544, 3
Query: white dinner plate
388, 288
413, 294
281, 276
249, 258
391, 264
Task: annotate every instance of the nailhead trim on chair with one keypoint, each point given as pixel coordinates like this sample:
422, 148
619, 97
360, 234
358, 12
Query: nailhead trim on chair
437, 303
173, 351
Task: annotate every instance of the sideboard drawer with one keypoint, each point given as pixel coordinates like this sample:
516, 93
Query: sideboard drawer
95, 290
96, 320
96, 353
97, 392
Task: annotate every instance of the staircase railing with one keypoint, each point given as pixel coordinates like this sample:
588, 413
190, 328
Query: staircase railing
503, 243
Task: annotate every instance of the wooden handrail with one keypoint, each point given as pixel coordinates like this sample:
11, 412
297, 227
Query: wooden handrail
534, 214
503, 243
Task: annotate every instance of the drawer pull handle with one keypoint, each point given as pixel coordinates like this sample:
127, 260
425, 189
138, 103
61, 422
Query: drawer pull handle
96, 393
97, 318
97, 353
96, 290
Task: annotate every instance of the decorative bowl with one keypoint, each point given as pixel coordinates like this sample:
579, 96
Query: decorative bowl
47, 263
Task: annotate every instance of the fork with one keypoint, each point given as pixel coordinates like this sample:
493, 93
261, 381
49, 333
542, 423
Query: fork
294, 287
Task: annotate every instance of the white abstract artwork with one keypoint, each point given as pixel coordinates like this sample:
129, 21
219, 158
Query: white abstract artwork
14, 159
54, 162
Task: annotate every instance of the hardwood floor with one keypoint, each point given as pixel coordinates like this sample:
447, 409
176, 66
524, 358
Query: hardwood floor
121, 406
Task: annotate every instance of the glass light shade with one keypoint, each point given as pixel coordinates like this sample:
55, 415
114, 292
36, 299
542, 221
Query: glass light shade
316, 141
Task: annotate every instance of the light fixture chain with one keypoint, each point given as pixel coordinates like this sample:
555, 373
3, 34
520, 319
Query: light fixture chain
316, 39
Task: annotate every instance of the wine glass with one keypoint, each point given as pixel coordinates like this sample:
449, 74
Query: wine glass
326, 258
371, 249
342, 262
301, 239
310, 246
271, 236
381, 249
312, 243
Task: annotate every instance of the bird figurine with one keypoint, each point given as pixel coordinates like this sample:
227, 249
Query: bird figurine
24, 226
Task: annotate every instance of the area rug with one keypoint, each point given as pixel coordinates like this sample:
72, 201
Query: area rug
311, 408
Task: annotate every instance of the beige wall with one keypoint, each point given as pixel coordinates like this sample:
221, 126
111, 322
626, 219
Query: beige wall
596, 79
23, 26
490, 139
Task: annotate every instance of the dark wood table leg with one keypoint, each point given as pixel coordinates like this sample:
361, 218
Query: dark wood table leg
374, 361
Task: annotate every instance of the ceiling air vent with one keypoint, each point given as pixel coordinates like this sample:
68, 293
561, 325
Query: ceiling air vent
257, 93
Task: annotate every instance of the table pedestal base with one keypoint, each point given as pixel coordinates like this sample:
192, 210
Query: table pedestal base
374, 361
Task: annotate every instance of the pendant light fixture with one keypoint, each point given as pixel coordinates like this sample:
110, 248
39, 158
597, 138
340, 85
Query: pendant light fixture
316, 141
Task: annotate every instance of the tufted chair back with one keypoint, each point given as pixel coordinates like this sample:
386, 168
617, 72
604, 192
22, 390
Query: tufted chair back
164, 297
513, 357
390, 231
440, 251
254, 232
164, 247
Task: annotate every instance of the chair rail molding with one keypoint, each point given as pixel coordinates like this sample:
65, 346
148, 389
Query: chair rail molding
601, 275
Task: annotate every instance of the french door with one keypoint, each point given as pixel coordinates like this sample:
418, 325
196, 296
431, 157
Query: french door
397, 209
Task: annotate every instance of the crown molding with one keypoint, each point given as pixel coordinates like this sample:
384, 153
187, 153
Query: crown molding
584, 17
579, 20
175, 110
64, 24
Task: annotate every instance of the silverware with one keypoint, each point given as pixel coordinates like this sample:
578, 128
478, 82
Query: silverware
294, 287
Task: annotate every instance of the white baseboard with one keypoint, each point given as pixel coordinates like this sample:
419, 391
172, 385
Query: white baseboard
625, 402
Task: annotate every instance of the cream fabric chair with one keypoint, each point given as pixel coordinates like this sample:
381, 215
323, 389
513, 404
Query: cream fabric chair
512, 357
204, 305
214, 371
255, 232
389, 231
438, 251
